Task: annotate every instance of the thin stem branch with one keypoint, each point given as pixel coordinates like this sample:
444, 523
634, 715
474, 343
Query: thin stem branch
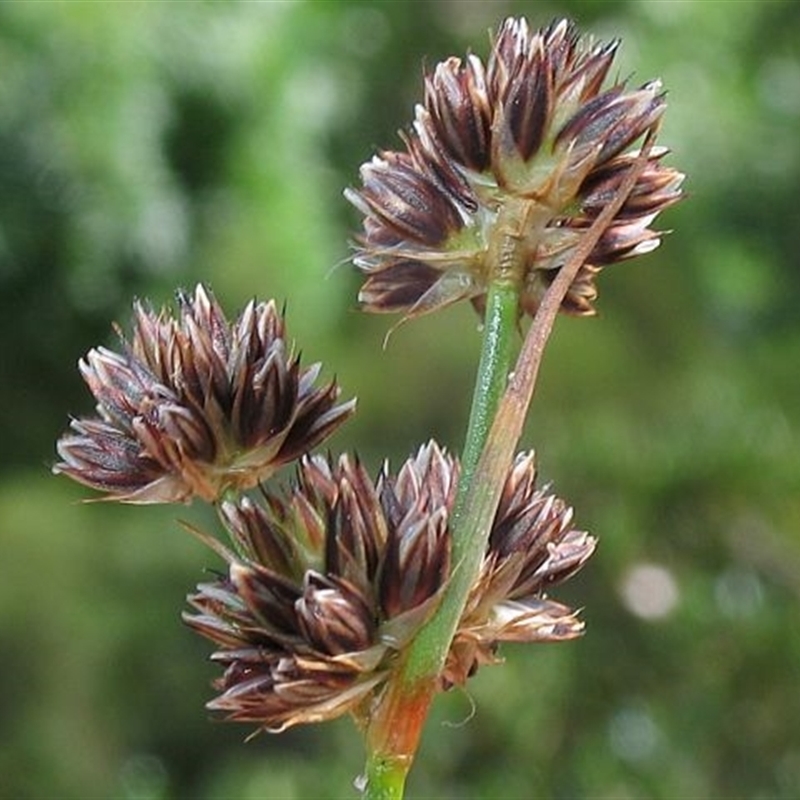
523, 381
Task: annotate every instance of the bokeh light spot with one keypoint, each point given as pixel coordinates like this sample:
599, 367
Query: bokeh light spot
649, 591
633, 734
739, 593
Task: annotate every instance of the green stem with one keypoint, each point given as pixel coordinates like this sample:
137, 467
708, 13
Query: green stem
498, 337
428, 652
394, 724
386, 777
516, 234
499, 331
397, 718
494, 431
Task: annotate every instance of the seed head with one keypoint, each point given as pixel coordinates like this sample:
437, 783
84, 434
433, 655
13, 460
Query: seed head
329, 581
195, 405
536, 131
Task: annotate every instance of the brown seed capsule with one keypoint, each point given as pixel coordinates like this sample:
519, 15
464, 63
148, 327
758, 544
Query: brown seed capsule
535, 127
195, 405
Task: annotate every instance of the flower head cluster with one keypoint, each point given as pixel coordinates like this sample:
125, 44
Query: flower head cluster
529, 147
328, 583
195, 405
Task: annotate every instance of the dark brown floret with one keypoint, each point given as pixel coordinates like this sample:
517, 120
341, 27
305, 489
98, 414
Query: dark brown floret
195, 405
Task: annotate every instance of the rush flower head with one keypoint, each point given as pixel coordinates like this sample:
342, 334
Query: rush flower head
195, 405
329, 582
530, 146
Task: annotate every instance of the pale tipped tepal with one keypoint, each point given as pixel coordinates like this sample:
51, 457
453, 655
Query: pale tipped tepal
531, 146
194, 405
328, 584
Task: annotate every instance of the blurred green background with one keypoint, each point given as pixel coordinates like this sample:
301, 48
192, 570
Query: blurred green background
145, 146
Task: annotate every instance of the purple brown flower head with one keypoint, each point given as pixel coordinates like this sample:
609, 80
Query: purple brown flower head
194, 405
329, 581
531, 145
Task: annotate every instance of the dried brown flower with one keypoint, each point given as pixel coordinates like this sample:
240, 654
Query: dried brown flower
530, 145
328, 583
195, 405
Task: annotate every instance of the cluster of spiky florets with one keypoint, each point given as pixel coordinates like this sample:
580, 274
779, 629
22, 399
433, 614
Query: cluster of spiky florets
529, 146
330, 579
329, 582
195, 405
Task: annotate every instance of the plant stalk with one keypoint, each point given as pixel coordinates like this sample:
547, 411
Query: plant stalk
496, 423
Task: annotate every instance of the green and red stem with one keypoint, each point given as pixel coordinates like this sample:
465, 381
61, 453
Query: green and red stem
500, 406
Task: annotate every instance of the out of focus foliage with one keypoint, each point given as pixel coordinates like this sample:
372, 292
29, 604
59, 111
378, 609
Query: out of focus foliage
149, 145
